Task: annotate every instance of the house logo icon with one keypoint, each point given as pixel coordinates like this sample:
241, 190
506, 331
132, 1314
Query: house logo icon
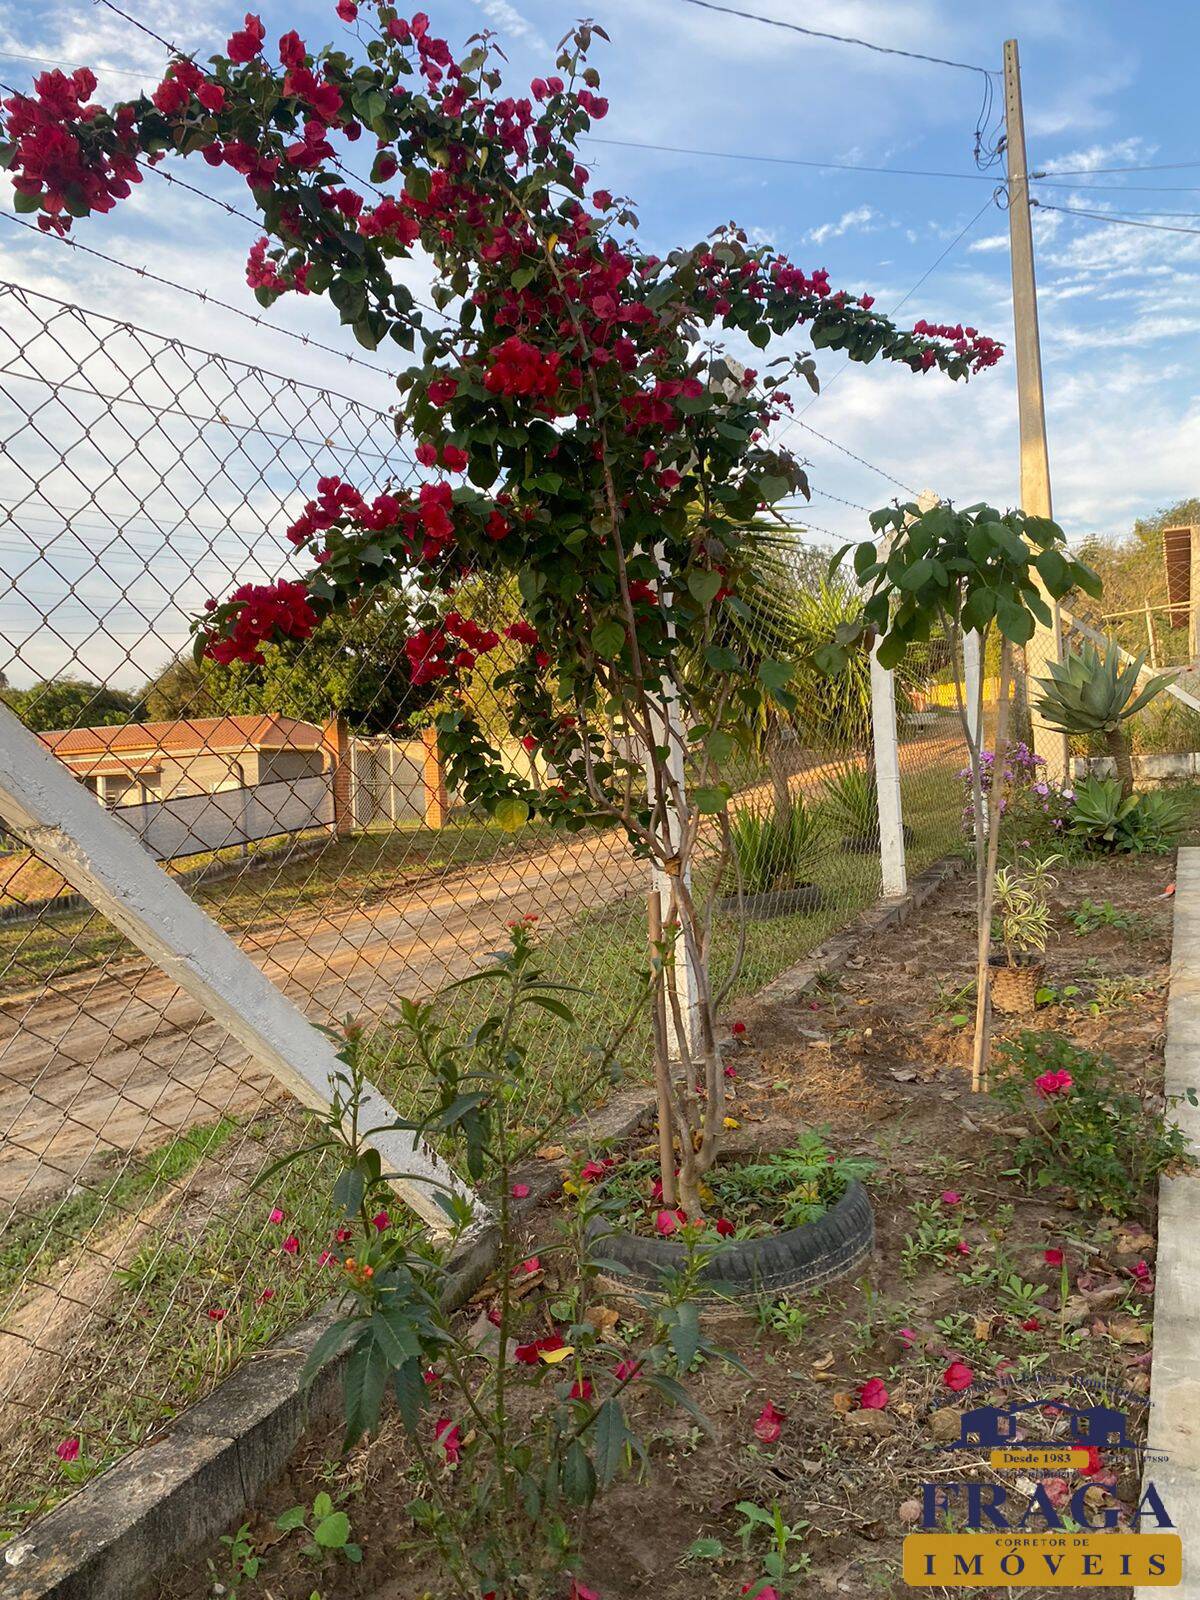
997, 1428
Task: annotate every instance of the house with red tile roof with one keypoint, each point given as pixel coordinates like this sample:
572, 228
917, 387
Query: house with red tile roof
138, 761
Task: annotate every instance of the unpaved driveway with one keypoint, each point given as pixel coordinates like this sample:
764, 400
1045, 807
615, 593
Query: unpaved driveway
121, 1059
126, 1060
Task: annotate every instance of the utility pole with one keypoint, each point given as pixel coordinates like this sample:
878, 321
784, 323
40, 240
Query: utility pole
1046, 644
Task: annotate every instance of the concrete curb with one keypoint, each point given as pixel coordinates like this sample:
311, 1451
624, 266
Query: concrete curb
108, 1541
1174, 1430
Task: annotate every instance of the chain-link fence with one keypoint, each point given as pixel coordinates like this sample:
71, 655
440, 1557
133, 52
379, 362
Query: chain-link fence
304, 807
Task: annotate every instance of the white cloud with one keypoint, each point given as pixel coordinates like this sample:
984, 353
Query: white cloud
860, 220
994, 241
510, 21
1122, 153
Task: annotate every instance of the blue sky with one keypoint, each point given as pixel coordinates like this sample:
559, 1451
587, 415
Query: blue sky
1105, 85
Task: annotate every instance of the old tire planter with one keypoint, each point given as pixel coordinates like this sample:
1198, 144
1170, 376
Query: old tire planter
774, 903
799, 1258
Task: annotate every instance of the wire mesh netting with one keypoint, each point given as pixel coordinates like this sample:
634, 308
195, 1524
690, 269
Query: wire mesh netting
304, 807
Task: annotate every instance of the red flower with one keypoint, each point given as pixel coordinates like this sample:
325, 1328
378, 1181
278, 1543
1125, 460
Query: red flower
216, 1313
1031, 1325
527, 1354
950, 1197
724, 1227
342, 1234
520, 369
68, 1450
265, 1297
958, 1376
442, 391
276, 1215
447, 1435
1052, 1083
873, 1396
580, 1591
581, 1389
291, 1245
529, 1267
346, 10
626, 1371
763, 1594
1053, 1257
324, 1259
520, 1191
737, 1029
666, 1223
769, 1423
247, 42
381, 1221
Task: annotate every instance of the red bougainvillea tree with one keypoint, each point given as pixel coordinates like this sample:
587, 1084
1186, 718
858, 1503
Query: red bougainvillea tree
579, 428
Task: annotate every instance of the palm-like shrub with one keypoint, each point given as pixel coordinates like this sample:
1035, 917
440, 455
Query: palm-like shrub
851, 802
774, 852
1092, 694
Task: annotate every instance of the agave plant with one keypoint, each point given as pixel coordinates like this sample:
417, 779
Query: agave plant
1101, 811
774, 852
1087, 693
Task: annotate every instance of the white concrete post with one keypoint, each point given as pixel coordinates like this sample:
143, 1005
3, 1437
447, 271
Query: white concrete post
668, 731
887, 778
972, 669
44, 805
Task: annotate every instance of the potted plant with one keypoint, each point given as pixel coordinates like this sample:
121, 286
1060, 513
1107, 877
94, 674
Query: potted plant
1023, 918
577, 434
1091, 695
772, 857
850, 799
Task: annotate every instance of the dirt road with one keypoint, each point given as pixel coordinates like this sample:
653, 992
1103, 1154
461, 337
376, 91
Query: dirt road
126, 1060
119, 1058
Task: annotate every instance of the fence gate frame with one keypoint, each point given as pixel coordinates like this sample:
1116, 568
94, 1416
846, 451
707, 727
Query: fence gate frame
50, 810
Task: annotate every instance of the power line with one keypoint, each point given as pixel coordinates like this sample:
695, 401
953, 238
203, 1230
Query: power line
1145, 166
1120, 222
841, 38
790, 161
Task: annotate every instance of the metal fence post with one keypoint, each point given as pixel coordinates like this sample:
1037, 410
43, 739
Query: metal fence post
99, 857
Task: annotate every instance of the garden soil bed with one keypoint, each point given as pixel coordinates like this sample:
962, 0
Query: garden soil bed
879, 1058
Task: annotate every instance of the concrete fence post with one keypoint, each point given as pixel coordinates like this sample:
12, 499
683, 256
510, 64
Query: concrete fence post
887, 779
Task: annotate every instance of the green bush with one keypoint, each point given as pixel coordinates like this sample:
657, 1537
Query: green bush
1103, 818
1090, 1135
851, 803
773, 852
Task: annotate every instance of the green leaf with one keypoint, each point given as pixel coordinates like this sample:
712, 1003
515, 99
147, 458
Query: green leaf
1054, 572
611, 1436
774, 674
291, 1519
719, 746
578, 1475
703, 586
332, 1531
410, 1389
711, 799
704, 1550
685, 1334
1016, 623
891, 650
917, 575
510, 814
608, 639
721, 659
